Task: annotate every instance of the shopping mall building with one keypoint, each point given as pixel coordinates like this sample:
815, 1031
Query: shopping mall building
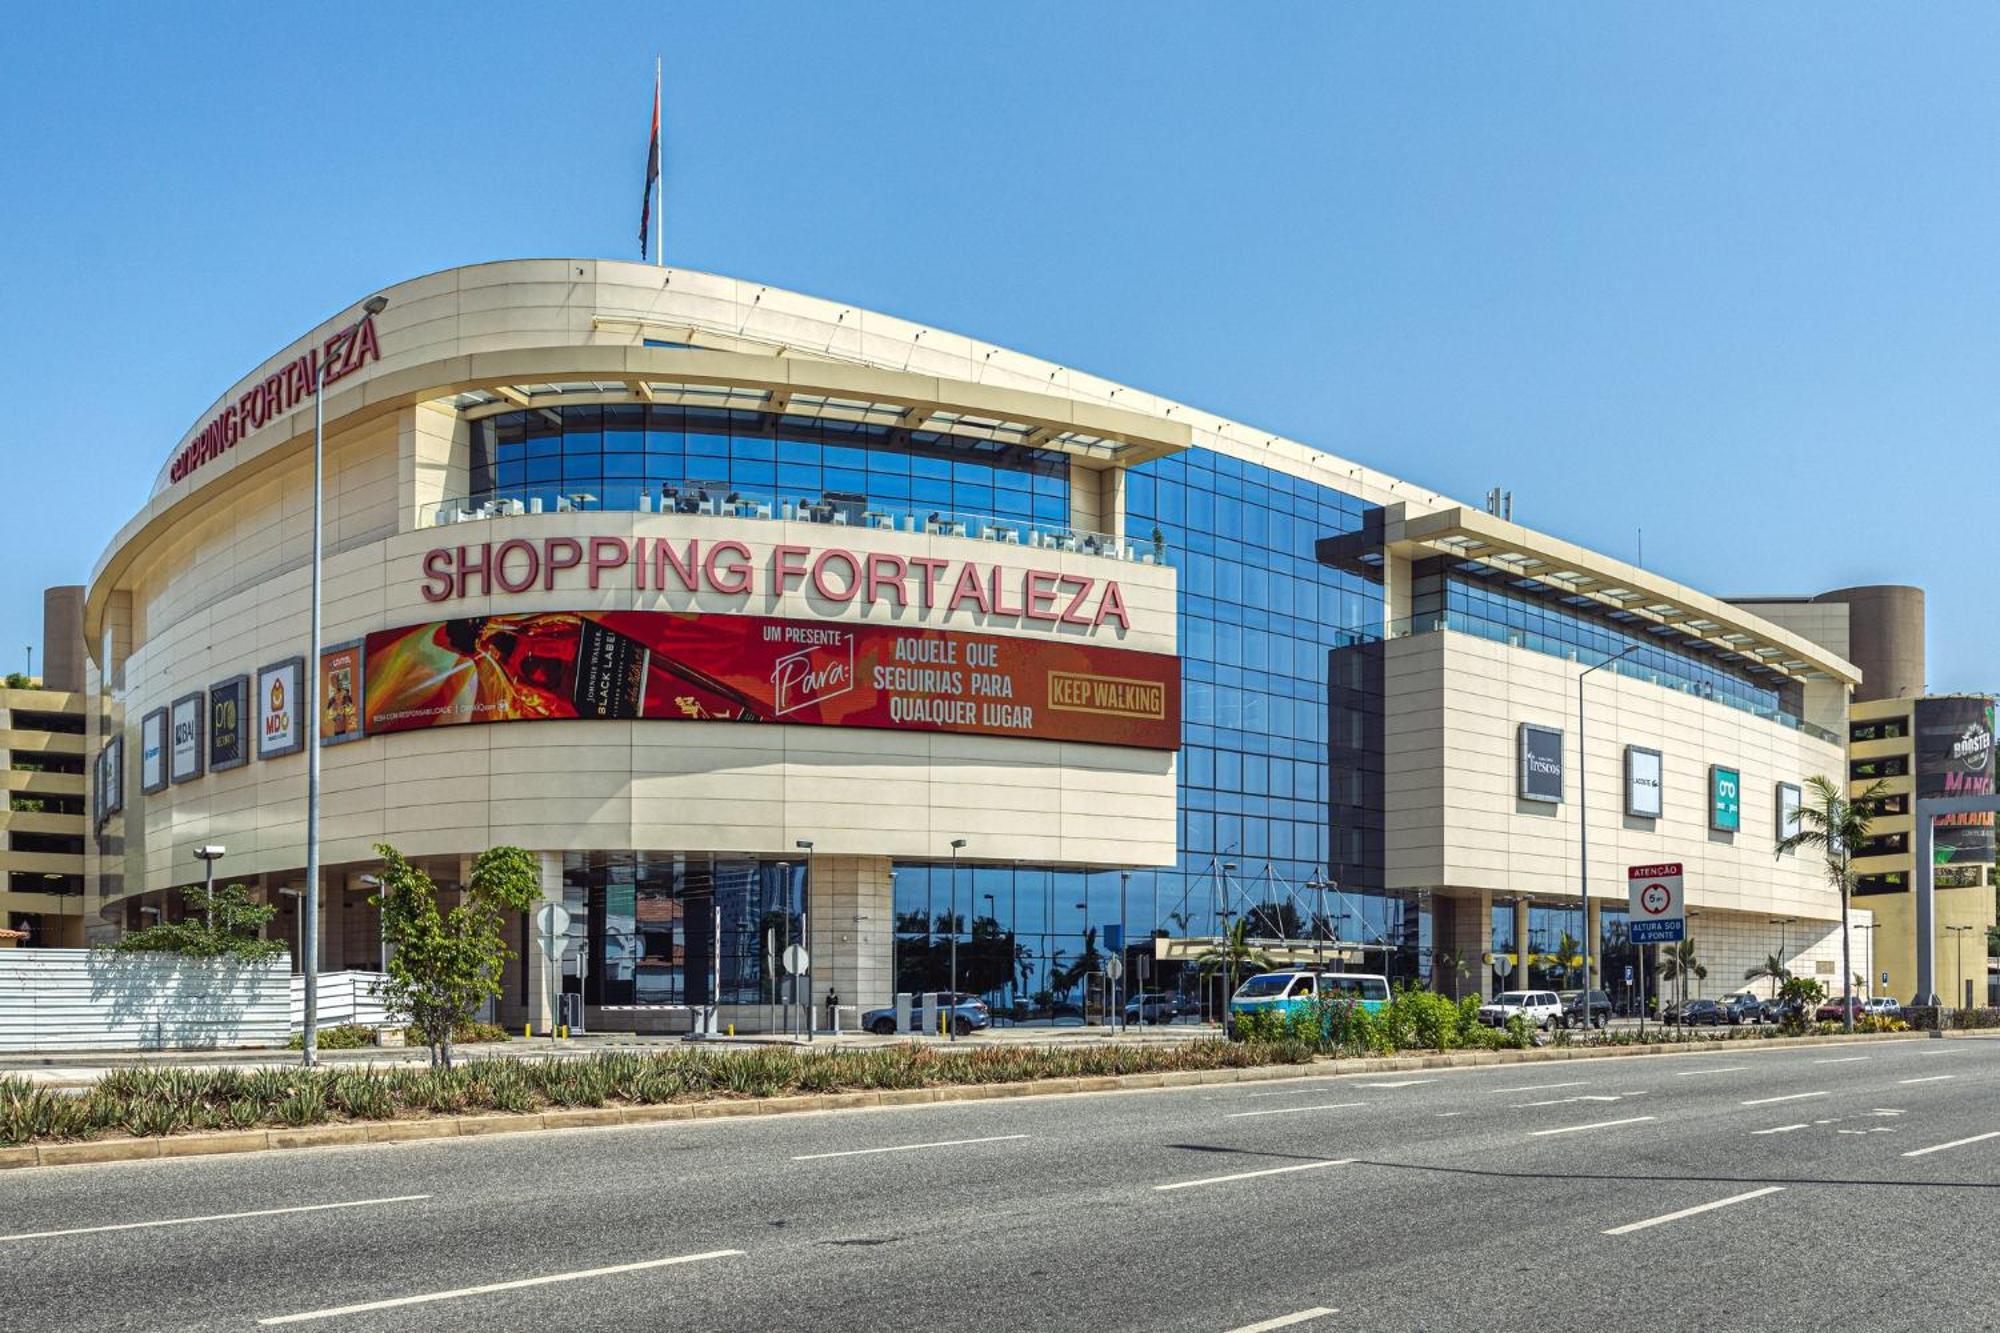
762, 617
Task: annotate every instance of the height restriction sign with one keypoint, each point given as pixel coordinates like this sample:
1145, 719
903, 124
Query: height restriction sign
1658, 909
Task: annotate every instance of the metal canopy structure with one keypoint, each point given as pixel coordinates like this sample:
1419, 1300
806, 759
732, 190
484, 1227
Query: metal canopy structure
1928, 810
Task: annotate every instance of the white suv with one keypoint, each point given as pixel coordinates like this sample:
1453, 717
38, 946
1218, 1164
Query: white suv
1538, 1008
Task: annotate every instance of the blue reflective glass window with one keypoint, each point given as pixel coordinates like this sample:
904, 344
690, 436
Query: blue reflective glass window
624, 465
544, 469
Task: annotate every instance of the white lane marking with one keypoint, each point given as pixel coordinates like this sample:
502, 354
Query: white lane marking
1405, 1083
906, 1147
1251, 1175
1542, 1087
1294, 1110
456, 1293
1631, 1227
1726, 1069
1929, 1078
1602, 1124
1788, 1097
1581, 1097
1781, 1129
1955, 1143
216, 1217
1886, 1110
1286, 1320
1841, 1060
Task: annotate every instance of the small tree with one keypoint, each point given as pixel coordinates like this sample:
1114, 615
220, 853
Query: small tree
222, 924
1445, 963
1773, 968
1233, 955
443, 965
1803, 995
1678, 964
1834, 825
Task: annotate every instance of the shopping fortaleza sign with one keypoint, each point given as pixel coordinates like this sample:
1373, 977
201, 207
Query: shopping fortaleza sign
288, 387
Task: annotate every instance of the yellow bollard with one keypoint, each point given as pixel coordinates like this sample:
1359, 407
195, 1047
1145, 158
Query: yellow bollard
527, 1032
563, 1032
732, 1029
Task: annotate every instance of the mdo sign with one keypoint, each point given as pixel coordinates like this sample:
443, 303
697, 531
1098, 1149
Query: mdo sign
1657, 907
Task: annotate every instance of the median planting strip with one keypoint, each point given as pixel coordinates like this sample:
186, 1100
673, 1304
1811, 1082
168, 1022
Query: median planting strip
977, 1075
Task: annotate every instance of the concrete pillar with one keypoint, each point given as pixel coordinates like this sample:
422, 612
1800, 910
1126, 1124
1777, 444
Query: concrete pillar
1463, 927
541, 1003
1520, 944
850, 916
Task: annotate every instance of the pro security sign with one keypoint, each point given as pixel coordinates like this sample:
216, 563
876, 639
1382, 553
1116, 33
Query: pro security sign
1658, 909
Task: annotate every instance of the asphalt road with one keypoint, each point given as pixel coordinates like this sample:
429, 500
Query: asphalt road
1851, 1187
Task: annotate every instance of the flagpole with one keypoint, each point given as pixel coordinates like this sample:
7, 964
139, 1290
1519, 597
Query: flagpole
659, 181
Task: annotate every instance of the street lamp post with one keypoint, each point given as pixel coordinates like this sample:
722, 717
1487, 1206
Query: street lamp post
1961, 932
309, 935
1870, 964
1124, 950
786, 984
209, 854
993, 915
1228, 950
951, 1001
1583, 821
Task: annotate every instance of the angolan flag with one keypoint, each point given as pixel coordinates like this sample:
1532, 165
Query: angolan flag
652, 171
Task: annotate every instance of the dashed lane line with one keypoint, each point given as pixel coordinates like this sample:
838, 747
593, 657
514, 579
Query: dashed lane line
1788, 1097
1286, 1320
1295, 1110
1252, 1175
1955, 1143
1676, 1216
459, 1293
216, 1217
1601, 1124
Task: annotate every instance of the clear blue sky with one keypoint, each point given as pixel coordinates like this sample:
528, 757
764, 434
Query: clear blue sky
1725, 271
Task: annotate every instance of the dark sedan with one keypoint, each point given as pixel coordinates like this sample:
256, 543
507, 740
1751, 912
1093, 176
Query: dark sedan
1698, 1013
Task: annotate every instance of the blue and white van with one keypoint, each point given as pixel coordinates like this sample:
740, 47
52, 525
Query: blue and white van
1288, 988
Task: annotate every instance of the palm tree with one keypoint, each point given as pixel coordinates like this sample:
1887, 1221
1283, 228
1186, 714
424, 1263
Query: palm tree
1832, 824
1772, 967
1233, 953
1567, 957
1454, 964
1679, 963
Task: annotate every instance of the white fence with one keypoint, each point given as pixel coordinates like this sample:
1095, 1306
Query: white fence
344, 997
96, 1000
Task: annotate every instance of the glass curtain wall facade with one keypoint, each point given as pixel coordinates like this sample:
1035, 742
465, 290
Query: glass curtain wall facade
1260, 622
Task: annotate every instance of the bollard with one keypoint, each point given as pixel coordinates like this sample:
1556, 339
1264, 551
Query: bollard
527, 1031
732, 1029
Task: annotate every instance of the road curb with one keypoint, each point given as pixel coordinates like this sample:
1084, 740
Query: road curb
231, 1142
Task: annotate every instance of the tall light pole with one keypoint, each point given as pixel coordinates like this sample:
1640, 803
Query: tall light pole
1961, 932
1583, 822
209, 854
1228, 951
951, 1000
1124, 949
309, 933
1871, 929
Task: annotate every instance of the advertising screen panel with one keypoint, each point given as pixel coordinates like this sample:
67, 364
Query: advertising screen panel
1725, 799
280, 723
228, 706
113, 760
340, 694
185, 723
153, 751
1954, 757
1642, 782
704, 667
1790, 798
1541, 763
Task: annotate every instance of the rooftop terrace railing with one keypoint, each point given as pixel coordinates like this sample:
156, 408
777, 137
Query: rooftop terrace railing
834, 508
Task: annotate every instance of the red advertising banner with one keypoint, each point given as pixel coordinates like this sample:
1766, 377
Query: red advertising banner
692, 666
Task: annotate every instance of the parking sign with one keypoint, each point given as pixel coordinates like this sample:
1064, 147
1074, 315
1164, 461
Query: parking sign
1658, 911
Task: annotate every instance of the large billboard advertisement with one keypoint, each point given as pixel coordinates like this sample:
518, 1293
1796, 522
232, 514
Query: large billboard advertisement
1954, 753
340, 694
153, 751
185, 758
706, 667
1643, 786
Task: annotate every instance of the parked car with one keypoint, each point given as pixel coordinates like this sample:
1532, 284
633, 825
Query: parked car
1779, 1011
969, 1014
1572, 1008
1152, 1007
1697, 1013
1833, 1011
1289, 988
1886, 1006
1743, 1009
1539, 1008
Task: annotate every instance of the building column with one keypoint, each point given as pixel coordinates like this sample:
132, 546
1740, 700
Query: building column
1520, 944
541, 1013
1463, 927
850, 915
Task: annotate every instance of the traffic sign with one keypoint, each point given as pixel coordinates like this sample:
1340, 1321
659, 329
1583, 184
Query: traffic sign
1658, 909
796, 960
1628, 974
1114, 968
552, 926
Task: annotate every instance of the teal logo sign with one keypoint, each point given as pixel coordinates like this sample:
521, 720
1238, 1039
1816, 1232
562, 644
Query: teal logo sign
1725, 799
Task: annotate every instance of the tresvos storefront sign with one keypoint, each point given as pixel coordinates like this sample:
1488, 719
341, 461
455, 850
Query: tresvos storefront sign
694, 666
278, 393
729, 568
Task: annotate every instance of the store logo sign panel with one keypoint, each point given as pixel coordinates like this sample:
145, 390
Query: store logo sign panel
1725, 799
1642, 782
1541, 763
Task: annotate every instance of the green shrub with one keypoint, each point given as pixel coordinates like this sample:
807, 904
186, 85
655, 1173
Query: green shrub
341, 1037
